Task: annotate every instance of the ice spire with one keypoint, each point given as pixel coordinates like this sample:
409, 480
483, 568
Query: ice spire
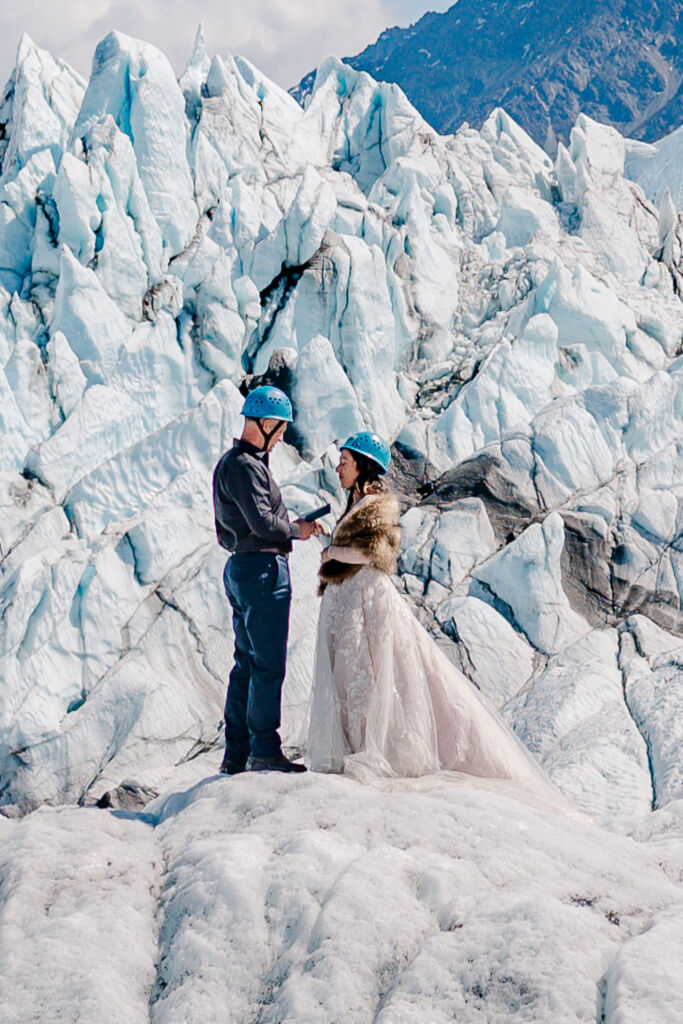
194, 75
39, 106
671, 238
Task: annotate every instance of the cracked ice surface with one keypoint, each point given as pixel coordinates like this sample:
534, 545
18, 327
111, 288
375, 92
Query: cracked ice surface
316, 899
516, 327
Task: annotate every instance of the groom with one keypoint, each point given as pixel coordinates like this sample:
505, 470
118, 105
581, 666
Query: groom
252, 522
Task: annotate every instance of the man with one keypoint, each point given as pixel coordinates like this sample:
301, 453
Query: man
252, 522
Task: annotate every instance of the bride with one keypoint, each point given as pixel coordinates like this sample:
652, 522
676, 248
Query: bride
386, 700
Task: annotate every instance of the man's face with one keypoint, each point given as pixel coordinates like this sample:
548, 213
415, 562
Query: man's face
269, 425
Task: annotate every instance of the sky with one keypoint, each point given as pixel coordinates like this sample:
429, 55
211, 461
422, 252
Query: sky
284, 38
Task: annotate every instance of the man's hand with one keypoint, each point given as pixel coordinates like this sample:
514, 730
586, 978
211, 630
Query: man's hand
308, 529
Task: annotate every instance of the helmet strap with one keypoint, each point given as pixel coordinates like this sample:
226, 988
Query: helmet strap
267, 435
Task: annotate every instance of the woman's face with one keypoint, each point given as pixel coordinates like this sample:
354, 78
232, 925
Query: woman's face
347, 470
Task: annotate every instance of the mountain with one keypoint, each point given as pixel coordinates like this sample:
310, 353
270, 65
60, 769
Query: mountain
513, 324
620, 62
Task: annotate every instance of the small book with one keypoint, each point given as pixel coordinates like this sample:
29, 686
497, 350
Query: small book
317, 513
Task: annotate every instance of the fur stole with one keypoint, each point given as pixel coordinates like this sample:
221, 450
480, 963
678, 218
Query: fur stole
371, 526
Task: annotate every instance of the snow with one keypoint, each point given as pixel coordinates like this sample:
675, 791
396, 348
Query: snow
79, 896
516, 325
317, 899
639, 984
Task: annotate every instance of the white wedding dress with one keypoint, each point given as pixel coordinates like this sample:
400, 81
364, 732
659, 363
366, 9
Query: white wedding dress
387, 703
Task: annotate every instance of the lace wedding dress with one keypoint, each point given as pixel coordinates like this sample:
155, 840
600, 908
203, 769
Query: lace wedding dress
387, 702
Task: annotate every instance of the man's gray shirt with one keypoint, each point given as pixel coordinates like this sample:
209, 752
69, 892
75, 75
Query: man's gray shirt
248, 507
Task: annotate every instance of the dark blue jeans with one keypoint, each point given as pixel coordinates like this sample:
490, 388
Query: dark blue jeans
259, 590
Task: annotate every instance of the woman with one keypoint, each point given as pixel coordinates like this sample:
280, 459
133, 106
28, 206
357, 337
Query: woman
386, 701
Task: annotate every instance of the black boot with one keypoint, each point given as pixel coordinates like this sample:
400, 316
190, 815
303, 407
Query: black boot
277, 763
230, 767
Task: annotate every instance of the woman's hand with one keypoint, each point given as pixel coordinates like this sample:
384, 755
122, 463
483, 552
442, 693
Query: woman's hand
307, 529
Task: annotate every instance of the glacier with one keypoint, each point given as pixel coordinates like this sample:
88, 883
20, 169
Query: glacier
514, 325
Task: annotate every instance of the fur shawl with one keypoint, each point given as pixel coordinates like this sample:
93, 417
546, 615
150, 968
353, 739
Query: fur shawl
371, 526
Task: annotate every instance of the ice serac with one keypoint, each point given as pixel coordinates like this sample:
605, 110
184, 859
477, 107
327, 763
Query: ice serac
657, 166
326, 404
38, 108
650, 664
513, 323
246, 124
194, 76
573, 717
363, 125
133, 83
526, 576
613, 213
512, 385
490, 650
91, 322
105, 216
16, 432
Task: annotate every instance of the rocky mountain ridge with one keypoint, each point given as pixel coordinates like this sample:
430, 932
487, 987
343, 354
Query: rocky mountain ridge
619, 62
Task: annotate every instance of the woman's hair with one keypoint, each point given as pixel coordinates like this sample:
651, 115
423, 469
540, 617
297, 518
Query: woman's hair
370, 478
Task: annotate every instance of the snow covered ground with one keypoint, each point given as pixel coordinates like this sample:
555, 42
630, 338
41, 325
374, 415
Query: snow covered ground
314, 899
515, 326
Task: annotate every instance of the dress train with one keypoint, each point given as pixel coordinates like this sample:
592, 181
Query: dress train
387, 703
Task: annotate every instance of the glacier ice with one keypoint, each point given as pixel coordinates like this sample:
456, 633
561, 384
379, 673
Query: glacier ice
526, 576
657, 166
134, 83
492, 652
515, 325
325, 402
371, 249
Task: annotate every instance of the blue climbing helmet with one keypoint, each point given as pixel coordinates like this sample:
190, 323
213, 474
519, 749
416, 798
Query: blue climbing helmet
372, 446
267, 403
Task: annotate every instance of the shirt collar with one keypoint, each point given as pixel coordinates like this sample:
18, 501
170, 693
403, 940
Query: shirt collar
250, 449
